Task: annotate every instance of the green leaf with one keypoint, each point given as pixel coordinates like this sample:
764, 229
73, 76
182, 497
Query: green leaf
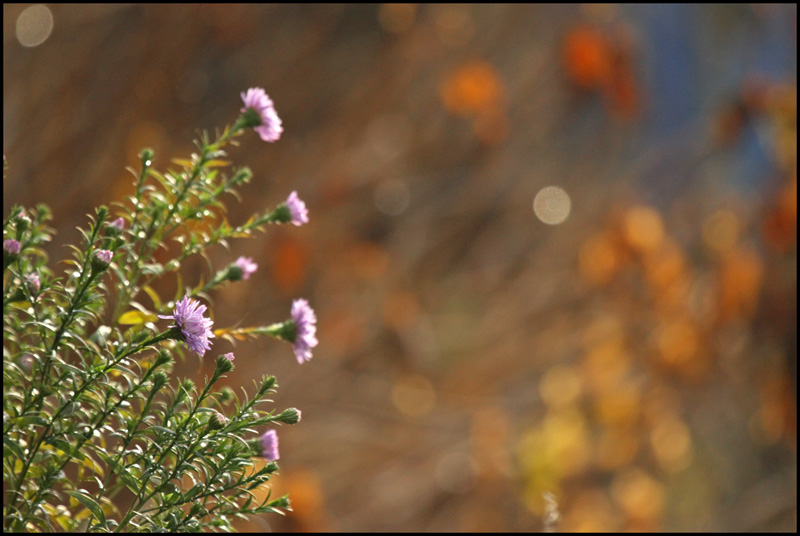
87, 501
12, 448
66, 447
197, 488
153, 296
25, 420
129, 480
216, 163
136, 317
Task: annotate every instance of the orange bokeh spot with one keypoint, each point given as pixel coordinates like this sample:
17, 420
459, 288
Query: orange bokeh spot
472, 89
587, 57
740, 283
289, 264
599, 259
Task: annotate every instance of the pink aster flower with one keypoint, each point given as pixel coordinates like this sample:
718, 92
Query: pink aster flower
104, 256
101, 259
34, 283
270, 128
298, 209
11, 247
195, 328
118, 224
229, 356
247, 266
305, 322
269, 445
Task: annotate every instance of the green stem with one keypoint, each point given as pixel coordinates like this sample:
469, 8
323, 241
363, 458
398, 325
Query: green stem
17, 487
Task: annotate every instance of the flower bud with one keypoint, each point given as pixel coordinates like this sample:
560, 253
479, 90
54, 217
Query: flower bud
33, 283
101, 259
115, 227
289, 416
242, 268
226, 395
217, 421
23, 221
282, 502
11, 249
232, 273
146, 156
159, 380
224, 364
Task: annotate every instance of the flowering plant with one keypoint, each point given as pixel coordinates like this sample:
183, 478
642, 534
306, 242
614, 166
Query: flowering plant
97, 437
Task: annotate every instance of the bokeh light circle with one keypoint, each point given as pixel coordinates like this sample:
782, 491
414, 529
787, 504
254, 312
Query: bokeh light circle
34, 25
552, 205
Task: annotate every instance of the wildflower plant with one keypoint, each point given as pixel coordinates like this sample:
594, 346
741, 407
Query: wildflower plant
97, 435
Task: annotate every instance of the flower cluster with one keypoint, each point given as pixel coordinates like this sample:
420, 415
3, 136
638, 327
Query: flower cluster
76, 370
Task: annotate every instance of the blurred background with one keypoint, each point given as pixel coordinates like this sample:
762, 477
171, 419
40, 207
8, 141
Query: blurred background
552, 248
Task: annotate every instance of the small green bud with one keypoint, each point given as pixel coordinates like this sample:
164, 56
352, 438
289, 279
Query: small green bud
267, 382
146, 155
159, 380
217, 421
102, 213
226, 395
282, 214
282, 502
224, 364
23, 222
289, 416
233, 273
242, 175
162, 358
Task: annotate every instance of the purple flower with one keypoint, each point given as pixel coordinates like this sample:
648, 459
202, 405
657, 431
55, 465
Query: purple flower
229, 356
101, 259
118, 224
247, 266
298, 209
104, 256
305, 322
269, 445
11, 247
34, 284
270, 128
195, 328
